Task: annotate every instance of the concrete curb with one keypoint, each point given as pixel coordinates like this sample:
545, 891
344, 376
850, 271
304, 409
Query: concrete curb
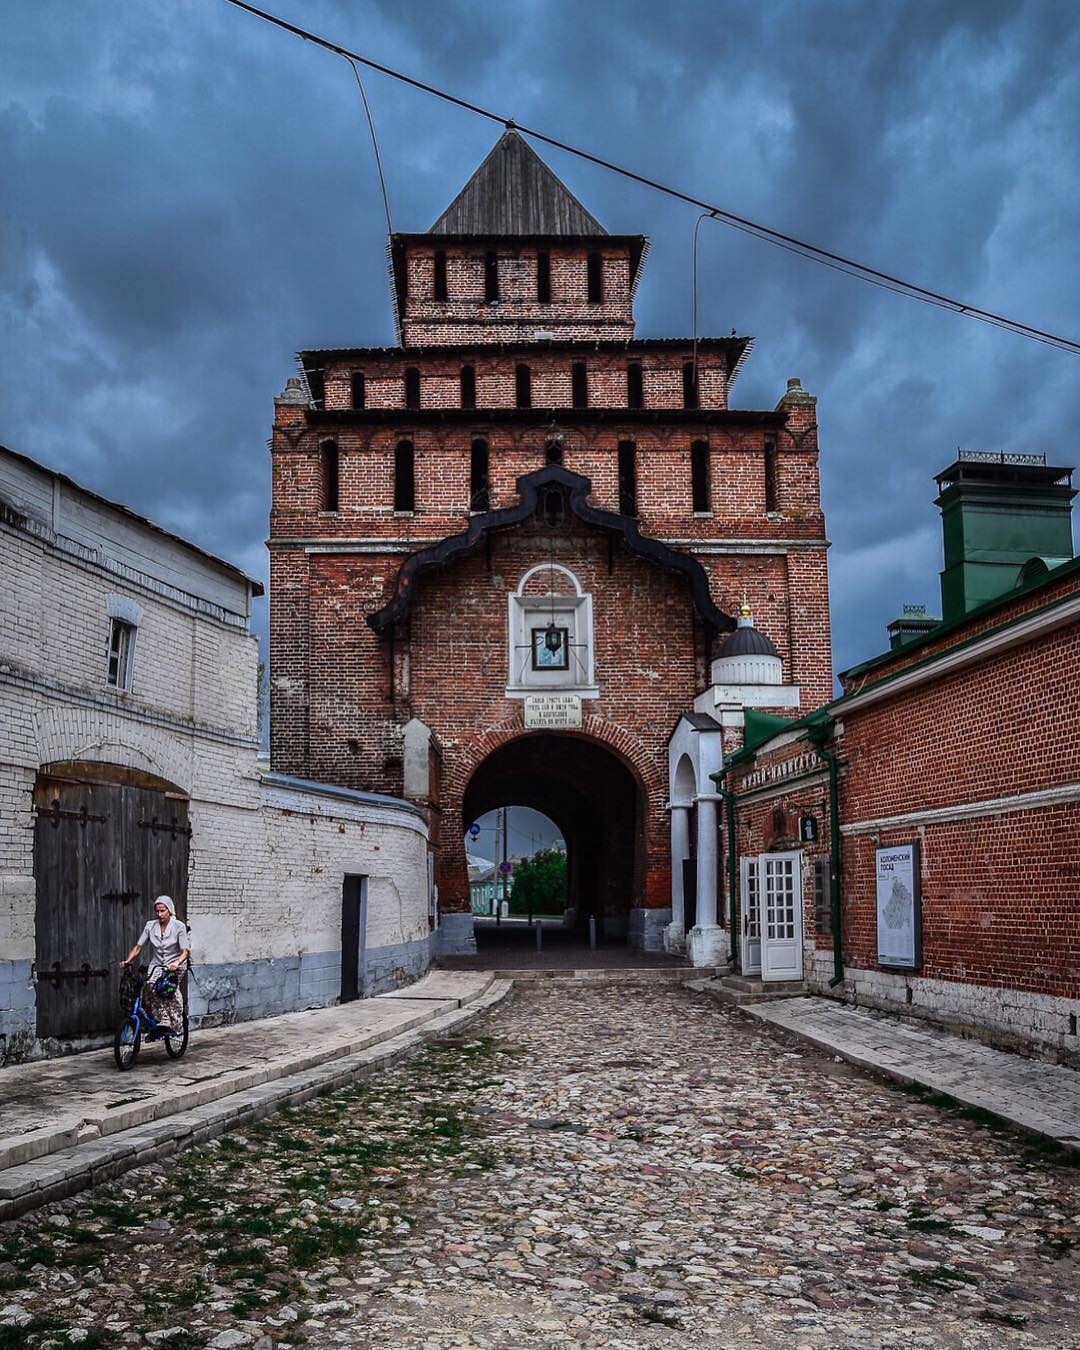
610, 975
57, 1175
973, 1090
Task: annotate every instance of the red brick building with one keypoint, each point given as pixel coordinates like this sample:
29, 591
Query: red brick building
506, 553
946, 780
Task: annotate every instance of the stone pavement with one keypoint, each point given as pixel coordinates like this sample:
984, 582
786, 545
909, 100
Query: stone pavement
1030, 1093
605, 1167
99, 1122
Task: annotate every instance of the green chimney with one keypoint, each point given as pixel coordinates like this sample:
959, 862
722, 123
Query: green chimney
998, 512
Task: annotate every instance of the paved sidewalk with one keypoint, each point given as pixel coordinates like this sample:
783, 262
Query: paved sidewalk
100, 1122
1037, 1096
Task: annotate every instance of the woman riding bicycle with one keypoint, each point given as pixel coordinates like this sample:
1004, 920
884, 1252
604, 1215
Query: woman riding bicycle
170, 949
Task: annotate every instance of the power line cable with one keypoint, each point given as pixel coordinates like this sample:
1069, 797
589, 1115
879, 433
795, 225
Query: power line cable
792, 244
374, 142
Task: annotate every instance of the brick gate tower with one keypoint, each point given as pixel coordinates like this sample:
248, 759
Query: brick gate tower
507, 554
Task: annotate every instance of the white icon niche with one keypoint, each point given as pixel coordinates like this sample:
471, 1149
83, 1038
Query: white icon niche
550, 634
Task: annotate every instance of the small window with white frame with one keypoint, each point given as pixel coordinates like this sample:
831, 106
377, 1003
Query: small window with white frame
124, 619
121, 654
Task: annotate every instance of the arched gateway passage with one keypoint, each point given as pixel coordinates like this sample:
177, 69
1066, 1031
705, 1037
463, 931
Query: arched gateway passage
595, 801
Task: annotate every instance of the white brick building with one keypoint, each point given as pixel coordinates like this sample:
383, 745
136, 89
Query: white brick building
128, 748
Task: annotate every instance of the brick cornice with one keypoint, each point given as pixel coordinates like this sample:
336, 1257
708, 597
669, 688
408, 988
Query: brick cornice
479, 417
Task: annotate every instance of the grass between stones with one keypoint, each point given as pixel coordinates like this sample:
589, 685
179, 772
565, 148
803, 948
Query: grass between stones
240, 1221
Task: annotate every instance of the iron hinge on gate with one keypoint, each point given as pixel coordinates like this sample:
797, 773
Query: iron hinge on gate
173, 827
84, 973
55, 814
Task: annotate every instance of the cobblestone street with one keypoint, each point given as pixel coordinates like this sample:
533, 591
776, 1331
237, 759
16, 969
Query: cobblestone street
603, 1167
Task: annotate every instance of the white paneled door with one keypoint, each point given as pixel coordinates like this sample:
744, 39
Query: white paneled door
750, 917
779, 887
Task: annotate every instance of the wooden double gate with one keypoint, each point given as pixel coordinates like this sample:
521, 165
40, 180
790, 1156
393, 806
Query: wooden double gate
102, 851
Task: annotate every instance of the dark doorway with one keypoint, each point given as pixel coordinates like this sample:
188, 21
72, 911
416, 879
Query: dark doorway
353, 936
106, 842
689, 890
594, 800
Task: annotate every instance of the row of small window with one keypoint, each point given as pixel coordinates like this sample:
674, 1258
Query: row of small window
480, 475
594, 278
579, 386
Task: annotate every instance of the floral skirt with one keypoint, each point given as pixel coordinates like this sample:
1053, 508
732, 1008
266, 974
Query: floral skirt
168, 1013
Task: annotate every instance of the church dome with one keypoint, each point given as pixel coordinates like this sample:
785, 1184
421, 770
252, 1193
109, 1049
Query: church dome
747, 656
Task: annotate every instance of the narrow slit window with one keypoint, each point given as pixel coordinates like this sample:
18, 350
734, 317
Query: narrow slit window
699, 476
468, 386
404, 477
627, 478
523, 386
595, 277
491, 278
412, 387
479, 477
439, 275
121, 654
579, 385
329, 466
689, 385
543, 277
359, 389
635, 386
553, 450
771, 498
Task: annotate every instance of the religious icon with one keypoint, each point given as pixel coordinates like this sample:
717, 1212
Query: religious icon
550, 648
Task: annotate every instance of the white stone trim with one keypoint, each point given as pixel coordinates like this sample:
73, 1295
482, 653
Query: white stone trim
991, 806
125, 609
572, 612
119, 705
978, 649
101, 565
771, 548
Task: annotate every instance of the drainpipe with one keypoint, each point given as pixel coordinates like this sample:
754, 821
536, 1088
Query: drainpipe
835, 862
727, 796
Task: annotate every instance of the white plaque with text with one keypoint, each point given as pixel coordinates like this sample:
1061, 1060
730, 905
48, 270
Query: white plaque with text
546, 711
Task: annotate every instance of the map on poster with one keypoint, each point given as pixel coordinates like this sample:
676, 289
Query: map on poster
899, 907
552, 710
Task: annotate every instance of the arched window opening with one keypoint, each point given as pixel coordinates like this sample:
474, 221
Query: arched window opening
412, 387
771, 495
479, 477
328, 475
635, 386
523, 386
579, 385
699, 476
553, 450
439, 275
543, 277
595, 277
468, 386
689, 385
404, 477
359, 389
491, 278
627, 478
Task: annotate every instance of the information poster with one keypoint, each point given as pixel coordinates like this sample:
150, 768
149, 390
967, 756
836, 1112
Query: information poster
899, 907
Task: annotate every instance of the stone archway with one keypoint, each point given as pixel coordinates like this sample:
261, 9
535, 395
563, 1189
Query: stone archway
596, 801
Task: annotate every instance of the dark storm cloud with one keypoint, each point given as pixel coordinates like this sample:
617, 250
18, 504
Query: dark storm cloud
188, 197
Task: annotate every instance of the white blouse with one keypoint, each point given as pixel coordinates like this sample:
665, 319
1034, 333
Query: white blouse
165, 946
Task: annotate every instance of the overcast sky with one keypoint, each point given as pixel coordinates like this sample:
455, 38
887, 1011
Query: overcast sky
188, 197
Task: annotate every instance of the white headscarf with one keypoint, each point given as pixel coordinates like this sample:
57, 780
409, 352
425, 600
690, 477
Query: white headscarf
166, 900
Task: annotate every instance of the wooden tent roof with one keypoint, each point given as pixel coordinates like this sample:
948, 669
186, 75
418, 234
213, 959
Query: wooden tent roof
514, 192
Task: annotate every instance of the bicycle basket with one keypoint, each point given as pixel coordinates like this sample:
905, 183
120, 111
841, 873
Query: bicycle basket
131, 979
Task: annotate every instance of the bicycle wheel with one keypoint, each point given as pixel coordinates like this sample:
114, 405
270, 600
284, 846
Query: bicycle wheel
126, 1043
175, 1045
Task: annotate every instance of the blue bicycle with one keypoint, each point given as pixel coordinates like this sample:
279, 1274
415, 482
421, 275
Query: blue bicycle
138, 1024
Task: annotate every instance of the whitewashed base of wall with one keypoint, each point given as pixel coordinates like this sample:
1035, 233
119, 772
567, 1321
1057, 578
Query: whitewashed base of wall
1010, 1018
708, 946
